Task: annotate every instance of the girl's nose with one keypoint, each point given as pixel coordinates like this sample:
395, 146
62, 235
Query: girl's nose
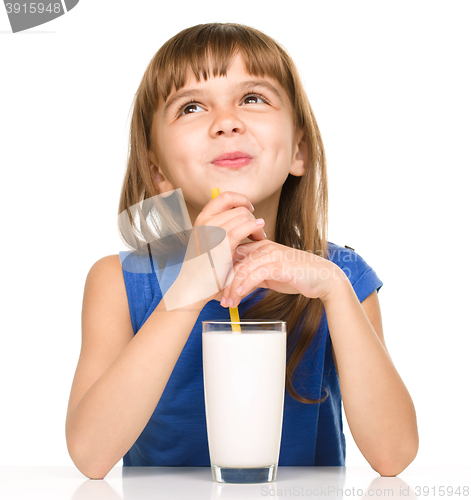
226, 123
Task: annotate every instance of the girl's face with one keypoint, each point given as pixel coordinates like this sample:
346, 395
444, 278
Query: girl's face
238, 113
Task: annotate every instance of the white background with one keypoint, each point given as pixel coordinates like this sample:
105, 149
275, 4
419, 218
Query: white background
389, 84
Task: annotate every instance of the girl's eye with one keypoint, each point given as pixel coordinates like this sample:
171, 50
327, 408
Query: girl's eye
254, 98
190, 107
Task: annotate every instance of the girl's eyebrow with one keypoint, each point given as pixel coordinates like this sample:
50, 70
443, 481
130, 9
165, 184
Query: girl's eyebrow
194, 93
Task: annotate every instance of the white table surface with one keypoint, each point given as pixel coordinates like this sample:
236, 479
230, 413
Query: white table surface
146, 483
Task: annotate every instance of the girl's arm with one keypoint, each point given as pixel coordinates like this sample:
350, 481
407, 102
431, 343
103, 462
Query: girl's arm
120, 377
378, 407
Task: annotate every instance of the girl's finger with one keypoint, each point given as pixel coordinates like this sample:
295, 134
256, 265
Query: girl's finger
226, 201
226, 219
250, 277
253, 250
236, 279
256, 245
241, 231
235, 219
241, 272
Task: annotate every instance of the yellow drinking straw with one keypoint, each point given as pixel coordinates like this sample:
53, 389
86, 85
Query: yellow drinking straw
234, 311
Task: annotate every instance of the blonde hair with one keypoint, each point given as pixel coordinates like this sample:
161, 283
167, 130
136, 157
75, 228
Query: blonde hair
301, 221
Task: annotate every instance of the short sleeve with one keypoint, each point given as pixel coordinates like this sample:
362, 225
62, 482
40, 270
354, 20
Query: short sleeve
363, 278
140, 283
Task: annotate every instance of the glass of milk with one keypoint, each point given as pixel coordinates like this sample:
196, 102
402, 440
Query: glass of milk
244, 389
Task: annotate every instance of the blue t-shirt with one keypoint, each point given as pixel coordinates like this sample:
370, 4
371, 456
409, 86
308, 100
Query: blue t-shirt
175, 435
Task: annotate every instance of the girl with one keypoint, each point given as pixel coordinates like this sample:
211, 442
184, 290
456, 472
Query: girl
222, 105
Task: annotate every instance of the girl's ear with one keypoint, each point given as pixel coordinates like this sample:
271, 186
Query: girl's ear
160, 182
298, 164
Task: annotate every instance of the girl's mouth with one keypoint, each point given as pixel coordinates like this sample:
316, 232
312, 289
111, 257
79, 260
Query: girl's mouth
234, 159
235, 163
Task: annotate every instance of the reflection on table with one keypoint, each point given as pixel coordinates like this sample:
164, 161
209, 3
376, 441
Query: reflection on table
145, 483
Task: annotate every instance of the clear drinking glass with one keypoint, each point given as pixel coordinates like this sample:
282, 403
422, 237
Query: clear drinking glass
244, 388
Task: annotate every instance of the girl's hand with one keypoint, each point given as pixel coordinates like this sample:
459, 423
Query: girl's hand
267, 264
232, 212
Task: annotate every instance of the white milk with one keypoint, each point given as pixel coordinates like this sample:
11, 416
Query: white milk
244, 386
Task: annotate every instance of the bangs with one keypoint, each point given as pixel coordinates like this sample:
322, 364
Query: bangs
209, 50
